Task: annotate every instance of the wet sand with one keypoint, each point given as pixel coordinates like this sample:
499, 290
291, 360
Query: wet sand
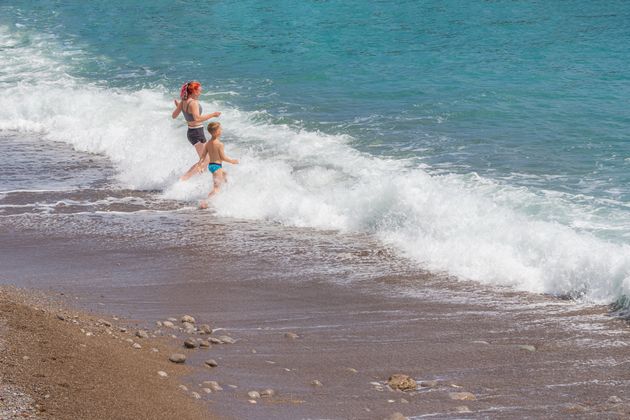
521, 355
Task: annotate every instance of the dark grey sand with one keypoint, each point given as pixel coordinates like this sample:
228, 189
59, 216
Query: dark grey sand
575, 361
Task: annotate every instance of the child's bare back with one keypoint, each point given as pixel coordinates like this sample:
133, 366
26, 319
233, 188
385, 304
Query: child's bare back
214, 154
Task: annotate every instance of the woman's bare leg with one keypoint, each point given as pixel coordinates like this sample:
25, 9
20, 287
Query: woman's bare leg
195, 169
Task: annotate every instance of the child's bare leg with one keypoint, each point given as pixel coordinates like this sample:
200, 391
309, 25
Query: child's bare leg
217, 179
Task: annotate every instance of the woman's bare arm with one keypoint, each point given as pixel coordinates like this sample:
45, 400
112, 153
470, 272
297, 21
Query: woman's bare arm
194, 110
178, 109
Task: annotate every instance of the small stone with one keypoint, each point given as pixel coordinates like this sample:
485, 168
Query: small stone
168, 324
177, 358
429, 384
88, 334
183, 388
233, 386
402, 382
27, 358
613, 399
204, 344
136, 346
485, 343
254, 395
187, 318
196, 395
396, 416
188, 326
211, 363
213, 385
123, 329
215, 340
315, 382
128, 340
267, 392
462, 396
526, 347
404, 401
154, 350
162, 374
462, 409
227, 339
252, 401
351, 370
291, 336
142, 334
61, 317
207, 390
158, 324
104, 323
205, 329
190, 343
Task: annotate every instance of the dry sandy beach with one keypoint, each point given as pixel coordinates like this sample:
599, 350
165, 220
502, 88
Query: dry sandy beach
326, 349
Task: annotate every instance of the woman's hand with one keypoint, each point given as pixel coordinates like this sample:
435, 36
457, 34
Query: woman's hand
215, 114
176, 103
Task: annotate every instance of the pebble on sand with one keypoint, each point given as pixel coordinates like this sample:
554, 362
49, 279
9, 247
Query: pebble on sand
213, 385
226, 339
267, 392
162, 374
177, 358
183, 388
291, 336
190, 343
254, 395
211, 363
462, 409
315, 382
204, 344
526, 347
402, 382
104, 323
215, 340
188, 318
462, 396
397, 416
205, 329
142, 334
136, 346
168, 324
196, 395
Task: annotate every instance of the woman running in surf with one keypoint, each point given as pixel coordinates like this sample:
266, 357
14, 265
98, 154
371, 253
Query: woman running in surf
191, 108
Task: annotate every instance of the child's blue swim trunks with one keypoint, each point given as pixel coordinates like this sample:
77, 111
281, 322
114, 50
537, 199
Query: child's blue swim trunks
213, 167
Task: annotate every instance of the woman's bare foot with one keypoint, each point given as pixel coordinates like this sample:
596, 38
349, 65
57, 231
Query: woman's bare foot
203, 204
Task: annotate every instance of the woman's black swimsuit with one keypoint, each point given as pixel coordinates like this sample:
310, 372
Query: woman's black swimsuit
195, 135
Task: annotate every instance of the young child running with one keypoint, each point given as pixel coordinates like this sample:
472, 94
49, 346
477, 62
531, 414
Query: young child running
214, 152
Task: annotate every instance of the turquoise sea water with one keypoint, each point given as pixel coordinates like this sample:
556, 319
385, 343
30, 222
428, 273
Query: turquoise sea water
523, 105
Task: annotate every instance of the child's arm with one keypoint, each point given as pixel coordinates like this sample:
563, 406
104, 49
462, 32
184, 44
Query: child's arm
178, 109
225, 158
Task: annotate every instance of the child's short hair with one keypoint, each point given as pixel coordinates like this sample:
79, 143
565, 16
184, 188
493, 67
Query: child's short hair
213, 127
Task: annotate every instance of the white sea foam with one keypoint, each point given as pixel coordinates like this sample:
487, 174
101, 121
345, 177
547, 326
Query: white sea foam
466, 225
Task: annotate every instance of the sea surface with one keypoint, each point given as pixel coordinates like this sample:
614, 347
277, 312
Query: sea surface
486, 141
